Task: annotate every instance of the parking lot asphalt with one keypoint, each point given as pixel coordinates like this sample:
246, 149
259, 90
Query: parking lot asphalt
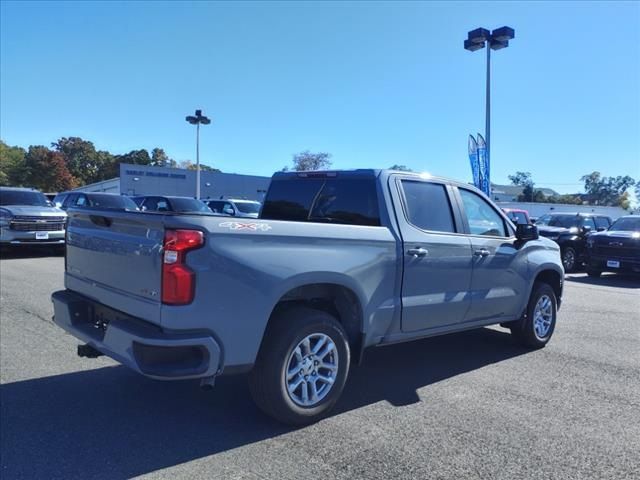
468, 405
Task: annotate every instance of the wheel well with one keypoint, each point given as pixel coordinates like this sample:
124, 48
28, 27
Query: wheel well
552, 278
337, 300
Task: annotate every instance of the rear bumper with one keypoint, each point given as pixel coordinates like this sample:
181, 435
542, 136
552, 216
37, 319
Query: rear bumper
139, 345
19, 237
627, 265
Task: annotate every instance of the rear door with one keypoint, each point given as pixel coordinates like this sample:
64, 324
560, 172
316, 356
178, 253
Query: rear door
115, 258
499, 268
437, 256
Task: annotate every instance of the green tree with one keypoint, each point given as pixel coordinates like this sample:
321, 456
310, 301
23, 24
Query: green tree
529, 193
160, 159
401, 168
47, 170
12, 167
189, 165
306, 161
607, 190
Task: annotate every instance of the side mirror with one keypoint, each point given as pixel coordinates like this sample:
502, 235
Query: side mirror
526, 232
229, 211
600, 229
586, 229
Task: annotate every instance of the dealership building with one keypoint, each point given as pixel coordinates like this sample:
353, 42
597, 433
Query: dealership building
147, 180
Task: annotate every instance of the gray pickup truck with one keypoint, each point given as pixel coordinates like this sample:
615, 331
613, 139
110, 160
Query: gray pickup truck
337, 262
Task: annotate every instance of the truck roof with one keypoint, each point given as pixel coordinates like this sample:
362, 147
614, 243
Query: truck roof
369, 172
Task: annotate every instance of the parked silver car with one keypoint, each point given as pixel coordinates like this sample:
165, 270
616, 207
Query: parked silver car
235, 207
28, 218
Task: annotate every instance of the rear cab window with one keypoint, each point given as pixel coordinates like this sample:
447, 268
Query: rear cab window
323, 198
427, 206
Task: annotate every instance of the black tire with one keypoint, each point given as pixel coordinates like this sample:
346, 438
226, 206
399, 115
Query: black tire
267, 382
524, 331
594, 273
569, 259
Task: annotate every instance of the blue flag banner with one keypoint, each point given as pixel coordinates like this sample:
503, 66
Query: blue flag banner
473, 159
483, 161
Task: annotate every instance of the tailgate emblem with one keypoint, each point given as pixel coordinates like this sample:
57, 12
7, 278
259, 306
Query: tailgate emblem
615, 244
252, 227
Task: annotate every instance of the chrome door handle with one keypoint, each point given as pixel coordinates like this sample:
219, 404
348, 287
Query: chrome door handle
483, 252
418, 252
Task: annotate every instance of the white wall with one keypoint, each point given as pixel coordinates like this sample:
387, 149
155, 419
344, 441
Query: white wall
538, 209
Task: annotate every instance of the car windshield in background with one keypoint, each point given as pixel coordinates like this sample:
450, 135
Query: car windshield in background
248, 207
112, 202
23, 197
562, 221
188, 205
517, 217
629, 224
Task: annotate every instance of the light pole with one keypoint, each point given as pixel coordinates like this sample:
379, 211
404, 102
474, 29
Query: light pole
196, 120
495, 40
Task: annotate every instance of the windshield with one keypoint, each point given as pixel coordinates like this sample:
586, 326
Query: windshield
563, 221
626, 224
23, 197
188, 205
248, 207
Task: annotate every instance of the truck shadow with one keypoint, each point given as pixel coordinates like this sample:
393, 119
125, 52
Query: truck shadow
13, 252
111, 423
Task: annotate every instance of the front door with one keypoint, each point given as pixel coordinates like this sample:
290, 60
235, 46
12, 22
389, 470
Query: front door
499, 280
437, 257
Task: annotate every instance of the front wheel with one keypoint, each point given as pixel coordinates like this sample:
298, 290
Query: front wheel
302, 366
569, 259
537, 326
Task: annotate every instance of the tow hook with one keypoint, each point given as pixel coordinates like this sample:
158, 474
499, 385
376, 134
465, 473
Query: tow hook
87, 351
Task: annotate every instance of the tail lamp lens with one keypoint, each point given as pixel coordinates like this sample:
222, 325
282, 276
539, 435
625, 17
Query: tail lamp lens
178, 280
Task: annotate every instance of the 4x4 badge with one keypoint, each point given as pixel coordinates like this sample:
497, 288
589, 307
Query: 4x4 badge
246, 226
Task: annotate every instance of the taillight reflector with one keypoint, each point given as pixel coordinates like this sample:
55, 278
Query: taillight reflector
178, 280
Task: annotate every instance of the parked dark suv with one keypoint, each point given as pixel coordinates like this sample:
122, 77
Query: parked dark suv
570, 230
617, 249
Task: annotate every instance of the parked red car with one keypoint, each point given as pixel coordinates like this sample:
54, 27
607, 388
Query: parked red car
517, 216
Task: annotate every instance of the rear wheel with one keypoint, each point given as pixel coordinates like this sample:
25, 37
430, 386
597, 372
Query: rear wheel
302, 366
537, 326
569, 259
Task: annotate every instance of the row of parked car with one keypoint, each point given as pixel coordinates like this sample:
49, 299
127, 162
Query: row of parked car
589, 240
28, 217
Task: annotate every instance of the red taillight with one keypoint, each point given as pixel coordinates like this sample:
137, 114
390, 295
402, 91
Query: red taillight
178, 280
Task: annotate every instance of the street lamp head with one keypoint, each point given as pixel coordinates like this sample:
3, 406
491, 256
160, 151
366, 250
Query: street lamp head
472, 46
499, 45
205, 120
198, 113
479, 35
503, 34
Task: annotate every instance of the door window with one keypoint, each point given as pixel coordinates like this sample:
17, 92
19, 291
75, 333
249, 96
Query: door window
588, 222
602, 222
483, 219
427, 206
81, 201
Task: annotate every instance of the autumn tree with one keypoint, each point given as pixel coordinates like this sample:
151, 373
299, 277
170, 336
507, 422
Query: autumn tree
607, 190
46, 170
529, 193
400, 168
84, 162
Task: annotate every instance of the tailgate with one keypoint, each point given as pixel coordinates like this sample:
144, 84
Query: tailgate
115, 258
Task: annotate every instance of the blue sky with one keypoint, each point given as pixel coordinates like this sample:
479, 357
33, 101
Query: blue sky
373, 84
